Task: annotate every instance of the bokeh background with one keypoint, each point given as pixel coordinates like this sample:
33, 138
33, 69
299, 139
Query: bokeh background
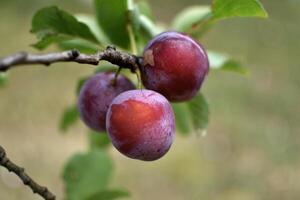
251, 150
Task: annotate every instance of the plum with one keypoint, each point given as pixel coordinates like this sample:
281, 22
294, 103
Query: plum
141, 124
96, 95
174, 65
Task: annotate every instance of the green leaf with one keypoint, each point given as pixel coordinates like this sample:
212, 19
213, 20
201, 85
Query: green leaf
92, 23
98, 140
133, 15
149, 27
112, 18
144, 28
44, 42
86, 174
109, 195
82, 45
196, 20
183, 118
234, 66
85, 46
80, 83
133, 25
145, 9
192, 18
192, 116
238, 8
198, 107
223, 62
52, 25
3, 79
69, 118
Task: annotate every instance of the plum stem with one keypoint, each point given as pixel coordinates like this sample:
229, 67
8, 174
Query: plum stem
27, 180
114, 81
132, 39
110, 54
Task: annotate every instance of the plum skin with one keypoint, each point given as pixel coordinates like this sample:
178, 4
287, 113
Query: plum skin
141, 124
96, 95
174, 65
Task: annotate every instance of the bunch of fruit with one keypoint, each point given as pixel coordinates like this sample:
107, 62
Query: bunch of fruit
141, 122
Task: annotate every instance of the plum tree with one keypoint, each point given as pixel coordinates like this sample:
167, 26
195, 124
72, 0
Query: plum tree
141, 124
174, 65
96, 95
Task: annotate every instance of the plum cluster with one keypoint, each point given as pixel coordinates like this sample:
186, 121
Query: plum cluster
141, 122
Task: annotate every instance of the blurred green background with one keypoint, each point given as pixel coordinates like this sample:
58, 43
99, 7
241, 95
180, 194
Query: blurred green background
253, 141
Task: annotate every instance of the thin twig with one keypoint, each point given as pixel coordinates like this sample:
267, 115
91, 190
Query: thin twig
110, 54
20, 172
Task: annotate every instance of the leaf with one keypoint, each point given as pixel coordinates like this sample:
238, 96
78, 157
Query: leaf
80, 83
81, 45
98, 140
140, 19
238, 8
149, 27
234, 66
69, 118
145, 9
92, 23
133, 15
53, 25
191, 18
138, 35
196, 20
192, 116
198, 107
109, 195
223, 62
50, 39
86, 174
112, 18
3, 79
85, 46
183, 118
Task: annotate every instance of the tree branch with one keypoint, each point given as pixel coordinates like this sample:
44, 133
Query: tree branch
20, 172
110, 54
